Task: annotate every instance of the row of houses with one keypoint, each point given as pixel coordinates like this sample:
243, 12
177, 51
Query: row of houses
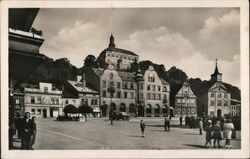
114, 88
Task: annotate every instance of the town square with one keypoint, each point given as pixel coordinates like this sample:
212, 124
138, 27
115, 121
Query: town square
117, 78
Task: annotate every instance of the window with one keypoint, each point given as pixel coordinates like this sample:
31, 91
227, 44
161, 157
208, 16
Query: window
17, 101
212, 94
104, 94
159, 88
153, 87
164, 88
151, 78
165, 97
66, 102
118, 94
119, 85
104, 84
225, 103
141, 96
57, 101
46, 89
225, 96
39, 112
219, 95
153, 96
39, 100
131, 95
141, 86
125, 95
86, 101
131, 85
125, 85
33, 111
74, 102
159, 96
93, 101
148, 95
148, 87
52, 100
178, 101
219, 102
212, 103
32, 99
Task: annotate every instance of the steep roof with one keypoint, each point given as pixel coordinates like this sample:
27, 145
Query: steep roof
79, 87
218, 84
120, 50
163, 81
127, 76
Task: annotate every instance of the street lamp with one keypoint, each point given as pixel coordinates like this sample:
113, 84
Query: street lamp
111, 90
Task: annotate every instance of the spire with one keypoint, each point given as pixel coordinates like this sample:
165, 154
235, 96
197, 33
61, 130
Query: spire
111, 41
216, 68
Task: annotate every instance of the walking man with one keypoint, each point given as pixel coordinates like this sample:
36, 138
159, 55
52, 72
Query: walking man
181, 120
26, 131
200, 126
142, 125
167, 124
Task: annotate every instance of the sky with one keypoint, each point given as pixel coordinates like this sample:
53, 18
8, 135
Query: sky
188, 38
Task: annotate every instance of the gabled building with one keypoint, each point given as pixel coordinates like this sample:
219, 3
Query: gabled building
185, 101
78, 93
43, 101
117, 89
216, 101
131, 92
120, 59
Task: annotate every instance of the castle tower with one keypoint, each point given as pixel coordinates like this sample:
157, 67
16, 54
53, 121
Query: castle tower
112, 41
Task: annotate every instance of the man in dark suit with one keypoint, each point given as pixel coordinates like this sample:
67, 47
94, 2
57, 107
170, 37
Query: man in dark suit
26, 130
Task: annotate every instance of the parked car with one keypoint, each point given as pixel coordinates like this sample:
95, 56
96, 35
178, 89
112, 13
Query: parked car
120, 115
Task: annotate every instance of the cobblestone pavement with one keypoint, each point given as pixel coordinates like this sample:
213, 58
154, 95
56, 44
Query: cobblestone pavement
97, 133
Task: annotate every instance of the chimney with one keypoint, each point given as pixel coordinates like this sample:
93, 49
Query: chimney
83, 80
78, 78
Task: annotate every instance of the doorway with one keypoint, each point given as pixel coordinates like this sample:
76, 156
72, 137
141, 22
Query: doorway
44, 113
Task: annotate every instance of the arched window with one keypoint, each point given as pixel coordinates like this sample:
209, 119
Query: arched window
122, 107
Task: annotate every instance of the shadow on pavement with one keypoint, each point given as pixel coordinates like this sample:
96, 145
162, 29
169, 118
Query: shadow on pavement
134, 136
160, 130
198, 146
154, 125
191, 134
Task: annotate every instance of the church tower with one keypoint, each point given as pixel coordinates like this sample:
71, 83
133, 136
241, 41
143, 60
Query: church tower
112, 41
216, 76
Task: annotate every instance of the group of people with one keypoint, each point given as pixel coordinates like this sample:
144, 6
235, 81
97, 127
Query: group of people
218, 132
26, 131
166, 126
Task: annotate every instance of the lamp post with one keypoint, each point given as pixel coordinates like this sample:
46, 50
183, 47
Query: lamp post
111, 90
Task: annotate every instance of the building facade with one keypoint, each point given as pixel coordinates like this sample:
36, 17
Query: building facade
185, 101
43, 101
123, 91
217, 99
77, 93
120, 59
235, 107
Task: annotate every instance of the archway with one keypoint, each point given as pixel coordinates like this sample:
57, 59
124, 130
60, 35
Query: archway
122, 107
219, 113
131, 108
140, 110
157, 110
148, 110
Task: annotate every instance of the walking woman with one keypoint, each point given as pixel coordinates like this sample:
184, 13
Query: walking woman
209, 130
142, 125
217, 133
227, 132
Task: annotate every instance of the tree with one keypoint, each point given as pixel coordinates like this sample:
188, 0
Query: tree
70, 109
89, 61
84, 109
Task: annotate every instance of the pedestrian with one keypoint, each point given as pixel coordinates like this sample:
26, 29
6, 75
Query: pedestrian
181, 120
33, 133
142, 125
18, 125
167, 124
217, 133
209, 130
26, 128
200, 124
227, 132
